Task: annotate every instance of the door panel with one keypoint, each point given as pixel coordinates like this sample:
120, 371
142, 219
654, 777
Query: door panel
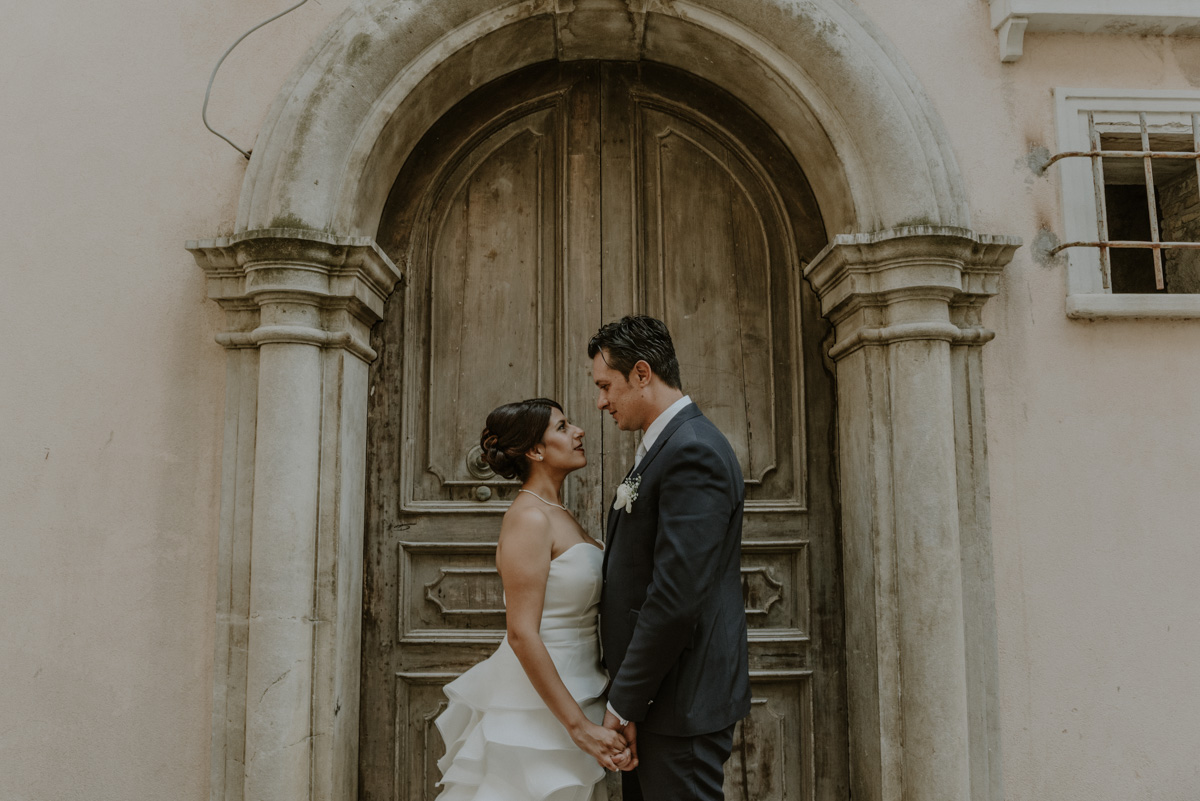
718, 258
491, 215
490, 333
420, 746
758, 768
547, 203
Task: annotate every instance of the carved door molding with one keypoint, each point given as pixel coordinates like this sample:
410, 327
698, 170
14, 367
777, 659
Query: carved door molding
543, 205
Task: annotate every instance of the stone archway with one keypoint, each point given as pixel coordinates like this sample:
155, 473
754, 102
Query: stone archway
903, 281
817, 72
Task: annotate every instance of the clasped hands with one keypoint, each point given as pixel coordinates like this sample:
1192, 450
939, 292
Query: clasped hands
612, 745
626, 758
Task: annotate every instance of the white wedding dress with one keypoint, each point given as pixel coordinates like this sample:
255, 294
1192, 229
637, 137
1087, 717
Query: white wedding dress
502, 742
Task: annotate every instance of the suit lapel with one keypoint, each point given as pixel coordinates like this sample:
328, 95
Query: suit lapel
688, 412
612, 520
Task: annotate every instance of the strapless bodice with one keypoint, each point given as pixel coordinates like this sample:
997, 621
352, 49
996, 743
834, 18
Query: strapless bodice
572, 601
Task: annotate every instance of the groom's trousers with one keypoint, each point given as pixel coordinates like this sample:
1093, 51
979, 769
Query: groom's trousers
679, 768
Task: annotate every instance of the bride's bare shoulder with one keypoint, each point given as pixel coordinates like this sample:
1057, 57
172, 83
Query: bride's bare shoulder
524, 513
526, 528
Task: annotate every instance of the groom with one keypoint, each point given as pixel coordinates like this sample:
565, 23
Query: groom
672, 620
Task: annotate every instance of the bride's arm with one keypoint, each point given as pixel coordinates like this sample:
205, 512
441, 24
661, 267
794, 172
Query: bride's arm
523, 558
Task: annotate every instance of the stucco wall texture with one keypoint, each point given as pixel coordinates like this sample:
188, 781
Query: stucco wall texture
113, 393
112, 405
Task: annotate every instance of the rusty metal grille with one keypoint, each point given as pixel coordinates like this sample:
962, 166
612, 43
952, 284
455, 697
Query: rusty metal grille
1147, 155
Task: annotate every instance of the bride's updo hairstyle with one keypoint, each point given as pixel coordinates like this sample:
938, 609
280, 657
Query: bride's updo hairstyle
511, 430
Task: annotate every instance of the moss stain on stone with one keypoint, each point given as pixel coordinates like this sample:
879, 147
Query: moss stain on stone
304, 124
918, 222
289, 221
357, 48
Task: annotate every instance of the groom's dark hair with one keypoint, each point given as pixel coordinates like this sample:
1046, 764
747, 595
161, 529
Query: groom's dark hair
636, 338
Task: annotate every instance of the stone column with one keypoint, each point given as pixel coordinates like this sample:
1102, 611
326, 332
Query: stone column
903, 304
300, 305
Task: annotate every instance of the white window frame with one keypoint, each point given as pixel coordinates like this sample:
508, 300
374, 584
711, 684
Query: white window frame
1087, 297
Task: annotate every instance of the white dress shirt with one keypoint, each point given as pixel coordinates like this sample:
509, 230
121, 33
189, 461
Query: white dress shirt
655, 429
653, 432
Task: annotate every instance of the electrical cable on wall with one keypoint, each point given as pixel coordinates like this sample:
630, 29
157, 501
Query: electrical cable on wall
221, 60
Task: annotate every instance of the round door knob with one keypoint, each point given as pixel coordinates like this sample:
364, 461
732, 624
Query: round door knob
483, 493
477, 467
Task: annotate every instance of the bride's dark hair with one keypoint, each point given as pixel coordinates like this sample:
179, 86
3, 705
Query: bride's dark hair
511, 430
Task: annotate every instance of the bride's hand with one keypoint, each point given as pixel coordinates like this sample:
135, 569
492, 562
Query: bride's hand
604, 745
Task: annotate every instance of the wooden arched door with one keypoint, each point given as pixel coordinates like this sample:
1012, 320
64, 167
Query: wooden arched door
547, 203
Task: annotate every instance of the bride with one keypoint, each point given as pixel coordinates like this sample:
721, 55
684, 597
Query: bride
524, 724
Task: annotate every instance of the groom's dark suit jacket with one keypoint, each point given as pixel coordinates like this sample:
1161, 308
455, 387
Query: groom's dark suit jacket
672, 618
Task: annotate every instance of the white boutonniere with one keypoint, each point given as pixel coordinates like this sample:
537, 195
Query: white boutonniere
627, 493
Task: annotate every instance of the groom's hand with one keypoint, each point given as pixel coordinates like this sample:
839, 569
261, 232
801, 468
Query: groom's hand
629, 730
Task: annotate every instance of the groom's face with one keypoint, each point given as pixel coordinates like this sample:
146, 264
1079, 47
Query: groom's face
618, 396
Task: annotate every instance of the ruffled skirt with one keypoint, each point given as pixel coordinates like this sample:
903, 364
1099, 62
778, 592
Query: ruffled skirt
503, 743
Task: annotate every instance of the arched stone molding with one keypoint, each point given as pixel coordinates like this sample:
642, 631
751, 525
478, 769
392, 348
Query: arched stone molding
817, 71
903, 281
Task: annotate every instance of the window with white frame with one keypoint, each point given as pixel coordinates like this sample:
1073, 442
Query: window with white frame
1129, 164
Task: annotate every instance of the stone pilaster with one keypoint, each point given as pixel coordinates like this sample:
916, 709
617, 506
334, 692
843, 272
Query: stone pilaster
300, 306
980, 282
919, 611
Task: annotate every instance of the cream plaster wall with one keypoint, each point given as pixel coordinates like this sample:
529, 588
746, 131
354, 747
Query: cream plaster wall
110, 452
113, 387
1093, 436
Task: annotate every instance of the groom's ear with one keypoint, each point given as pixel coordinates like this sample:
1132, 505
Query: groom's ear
641, 373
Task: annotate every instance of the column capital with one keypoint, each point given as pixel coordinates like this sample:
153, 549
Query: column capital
293, 285
918, 282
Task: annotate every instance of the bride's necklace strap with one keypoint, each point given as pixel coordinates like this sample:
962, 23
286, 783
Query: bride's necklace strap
543, 500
